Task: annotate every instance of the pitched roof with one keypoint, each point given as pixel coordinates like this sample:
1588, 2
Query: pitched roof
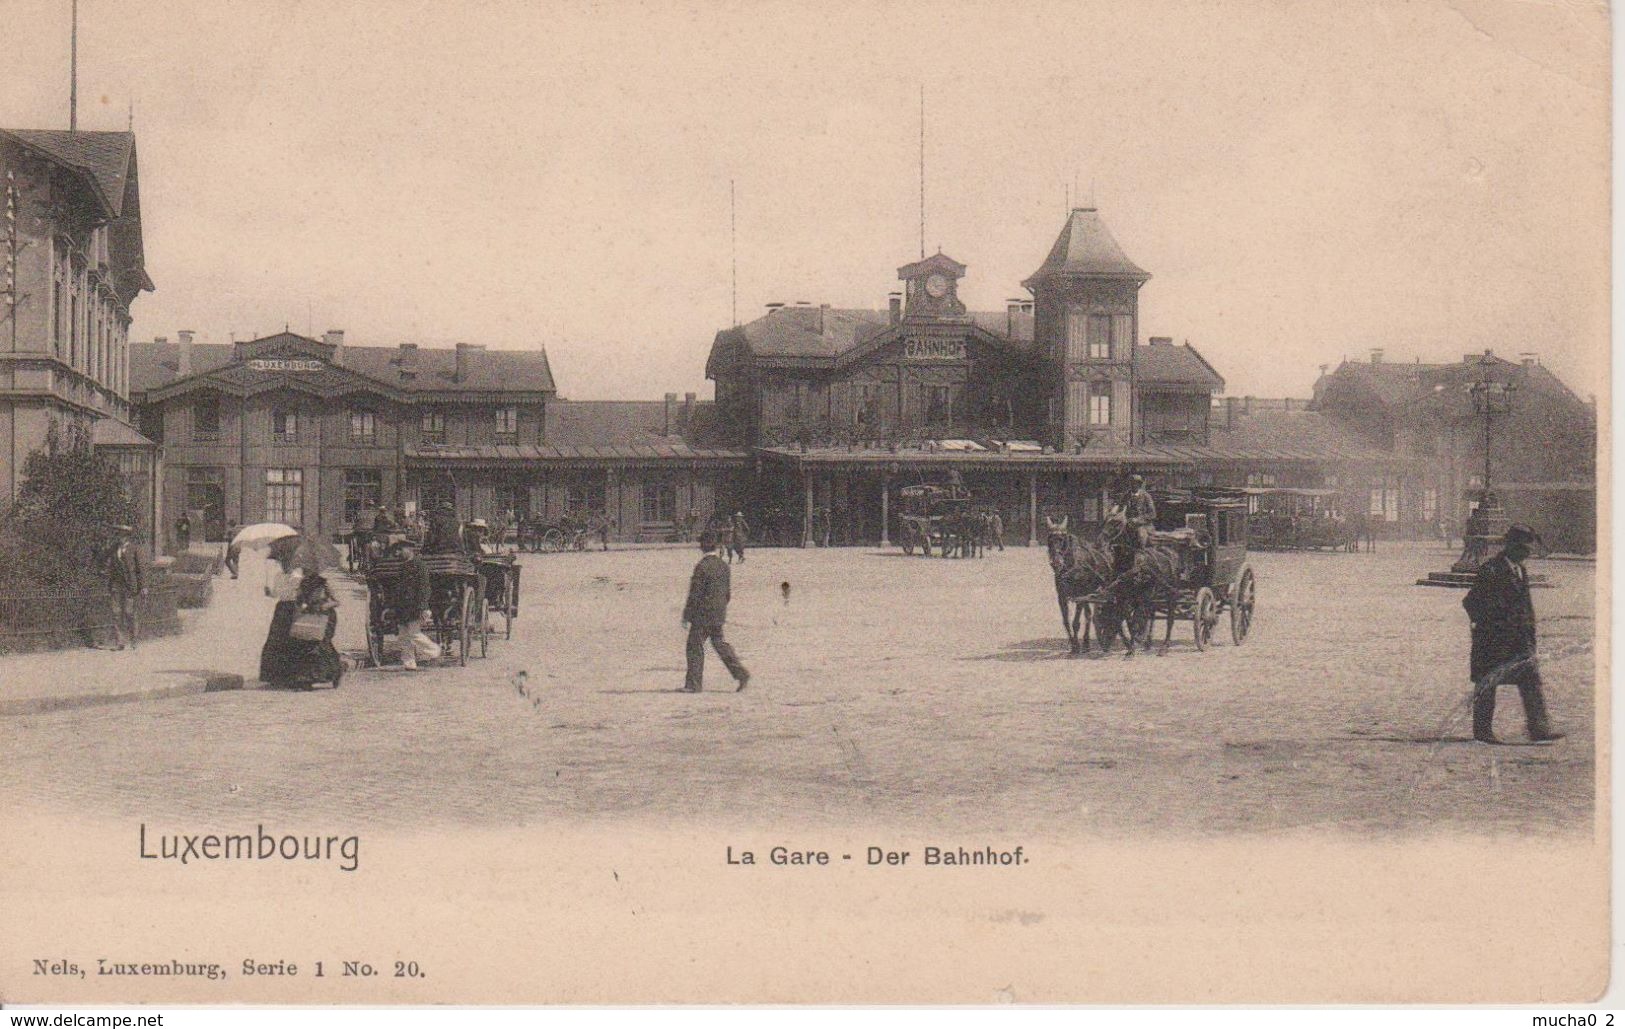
1086, 247
811, 331
1289, 435
103, 156
1166, 364
1438, 387
153, 365
622, 423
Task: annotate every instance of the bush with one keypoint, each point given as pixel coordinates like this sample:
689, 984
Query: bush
61, 524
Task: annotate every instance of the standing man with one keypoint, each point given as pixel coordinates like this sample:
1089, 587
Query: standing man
411, 600
738, 530
183, 533
1503, 617
125, 583
703, 615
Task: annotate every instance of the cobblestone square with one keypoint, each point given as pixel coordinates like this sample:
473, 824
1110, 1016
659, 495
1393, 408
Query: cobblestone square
904, 691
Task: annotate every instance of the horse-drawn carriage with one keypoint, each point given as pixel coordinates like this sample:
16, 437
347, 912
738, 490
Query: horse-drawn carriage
937, 517
457, 604
571, 532
1192, 567
1284, 518
499, 575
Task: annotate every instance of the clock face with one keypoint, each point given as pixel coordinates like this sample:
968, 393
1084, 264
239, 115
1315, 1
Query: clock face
937, 285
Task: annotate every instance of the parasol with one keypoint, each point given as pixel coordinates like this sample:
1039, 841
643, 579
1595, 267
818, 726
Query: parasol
262, 534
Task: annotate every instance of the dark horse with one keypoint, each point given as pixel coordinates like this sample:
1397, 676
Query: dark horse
1081, 569
1146, 583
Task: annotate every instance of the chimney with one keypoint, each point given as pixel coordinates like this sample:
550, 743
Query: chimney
823, 311
774, 306
465, 359
409, 363
183, 357
1162, 341
335, 339
1230, 412
688, 410
1376, 355
894, 303
1529, 358
1246, 405
671, 408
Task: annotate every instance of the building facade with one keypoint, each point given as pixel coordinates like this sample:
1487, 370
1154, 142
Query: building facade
71, 265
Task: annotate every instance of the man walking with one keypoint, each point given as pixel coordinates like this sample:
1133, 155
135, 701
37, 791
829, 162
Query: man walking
1503, 617
738, 530
234, 550
411, 600
125, 583
703, 615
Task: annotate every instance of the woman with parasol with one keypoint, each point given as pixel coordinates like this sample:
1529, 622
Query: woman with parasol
299, 648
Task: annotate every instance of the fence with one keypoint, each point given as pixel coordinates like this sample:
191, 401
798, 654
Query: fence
54, 621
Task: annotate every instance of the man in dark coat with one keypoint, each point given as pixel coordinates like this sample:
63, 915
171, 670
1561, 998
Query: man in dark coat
739, 532
126, 583
703, 615
1503, 617
410, 598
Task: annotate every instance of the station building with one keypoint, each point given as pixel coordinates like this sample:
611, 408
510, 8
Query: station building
71, 265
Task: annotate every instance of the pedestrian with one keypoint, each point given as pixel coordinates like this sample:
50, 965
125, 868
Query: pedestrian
283, 578
183, 533
234, 550
739, 532
126, 584
314, 660
1503, 626
997, 528
410, 598
703, 617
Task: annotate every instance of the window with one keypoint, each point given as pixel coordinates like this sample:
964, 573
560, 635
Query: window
584, 496
1384, 501
206, 492
659, 502
1430, 504
206, 419
1100, 403
284, 425
363, 488
938, 405
867, 409
507, 421
1100, 337
363, 427
433, 426
796, 402
284, 495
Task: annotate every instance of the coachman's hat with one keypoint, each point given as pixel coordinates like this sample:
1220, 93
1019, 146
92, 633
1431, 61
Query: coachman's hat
1520, 533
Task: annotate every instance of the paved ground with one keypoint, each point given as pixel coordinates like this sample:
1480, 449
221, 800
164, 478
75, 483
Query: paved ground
890, 690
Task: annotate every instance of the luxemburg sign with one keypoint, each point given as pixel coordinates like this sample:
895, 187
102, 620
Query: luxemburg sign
934, 349
283, 364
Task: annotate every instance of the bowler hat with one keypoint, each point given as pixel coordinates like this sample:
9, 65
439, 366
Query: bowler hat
1520, 533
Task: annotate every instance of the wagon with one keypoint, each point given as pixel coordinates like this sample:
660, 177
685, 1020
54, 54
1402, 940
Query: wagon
1284, 518
500, 574
568, 533
931, 516
1207, 531
457, 605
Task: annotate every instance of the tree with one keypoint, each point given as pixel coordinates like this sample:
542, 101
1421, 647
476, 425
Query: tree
63, 517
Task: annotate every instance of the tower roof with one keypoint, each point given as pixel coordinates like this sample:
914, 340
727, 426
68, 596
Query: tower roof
1085, 248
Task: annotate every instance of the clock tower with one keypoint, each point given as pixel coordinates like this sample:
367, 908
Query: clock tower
932, 287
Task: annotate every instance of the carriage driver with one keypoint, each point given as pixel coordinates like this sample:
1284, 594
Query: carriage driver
1139, 510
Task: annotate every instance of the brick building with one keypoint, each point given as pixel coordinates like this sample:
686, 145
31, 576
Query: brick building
71, 264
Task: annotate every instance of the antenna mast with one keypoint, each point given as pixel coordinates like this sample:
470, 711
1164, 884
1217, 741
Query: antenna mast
733, 248
73, 73
922, 170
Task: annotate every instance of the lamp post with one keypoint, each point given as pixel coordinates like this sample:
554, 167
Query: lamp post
1491, 396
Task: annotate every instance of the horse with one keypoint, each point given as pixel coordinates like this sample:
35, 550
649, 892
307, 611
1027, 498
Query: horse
1080, 569
1144, 583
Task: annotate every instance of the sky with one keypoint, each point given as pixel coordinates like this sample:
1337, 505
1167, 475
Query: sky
1303, 180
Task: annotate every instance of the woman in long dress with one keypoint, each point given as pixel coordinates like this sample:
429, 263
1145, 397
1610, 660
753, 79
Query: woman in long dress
280, 650
314, 661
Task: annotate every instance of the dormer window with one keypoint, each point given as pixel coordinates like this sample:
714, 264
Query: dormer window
284, 425
363, 427
433, 426
507, 421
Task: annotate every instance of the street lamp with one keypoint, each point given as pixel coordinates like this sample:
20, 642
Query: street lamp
1491, 396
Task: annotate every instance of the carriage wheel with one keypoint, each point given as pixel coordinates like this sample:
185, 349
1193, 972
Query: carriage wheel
552, 541
375, 644
1204, 616
465, 625
510, 605
1241, 606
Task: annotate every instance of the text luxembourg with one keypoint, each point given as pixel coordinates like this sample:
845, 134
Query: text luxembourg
879, 857
259, 846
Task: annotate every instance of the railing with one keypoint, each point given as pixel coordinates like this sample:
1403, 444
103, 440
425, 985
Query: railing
53, 621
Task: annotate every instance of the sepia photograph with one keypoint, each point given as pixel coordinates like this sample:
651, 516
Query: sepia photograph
699, 502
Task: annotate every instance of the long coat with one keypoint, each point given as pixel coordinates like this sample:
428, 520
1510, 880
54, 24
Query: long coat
708, 593
1503, 617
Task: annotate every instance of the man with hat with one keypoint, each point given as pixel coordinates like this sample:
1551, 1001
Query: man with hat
704, 614
125, 583
410, 598
474, 536
1503, 619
